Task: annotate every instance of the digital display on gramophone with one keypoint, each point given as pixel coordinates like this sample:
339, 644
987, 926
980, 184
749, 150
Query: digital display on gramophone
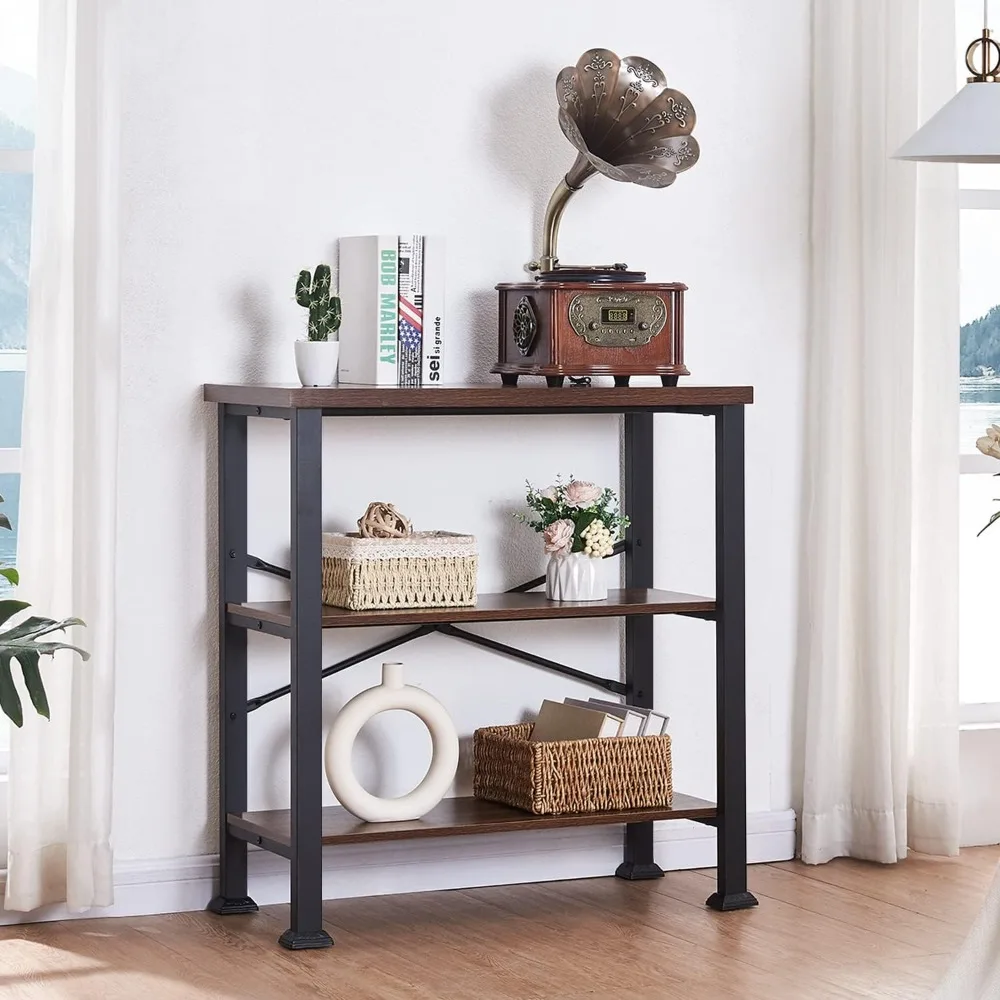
612, 314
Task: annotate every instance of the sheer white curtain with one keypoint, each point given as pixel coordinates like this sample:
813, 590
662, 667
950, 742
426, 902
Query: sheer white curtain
60, 771
880, 577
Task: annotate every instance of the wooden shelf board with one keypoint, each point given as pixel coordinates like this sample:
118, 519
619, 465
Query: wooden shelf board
486, 398
490, 608
452, 818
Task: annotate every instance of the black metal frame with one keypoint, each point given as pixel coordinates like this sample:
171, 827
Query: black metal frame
307, 673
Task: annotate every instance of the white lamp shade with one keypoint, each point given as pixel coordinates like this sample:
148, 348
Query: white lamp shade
965, 130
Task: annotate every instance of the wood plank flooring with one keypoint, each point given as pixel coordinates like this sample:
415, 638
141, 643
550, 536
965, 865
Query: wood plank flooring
842, 931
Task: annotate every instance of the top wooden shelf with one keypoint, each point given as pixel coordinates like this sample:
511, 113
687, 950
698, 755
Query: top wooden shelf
347, 400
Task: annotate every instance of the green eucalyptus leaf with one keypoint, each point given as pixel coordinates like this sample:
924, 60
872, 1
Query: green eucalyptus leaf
10, 575
10, 702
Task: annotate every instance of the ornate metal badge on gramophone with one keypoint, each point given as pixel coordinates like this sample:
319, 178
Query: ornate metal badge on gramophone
627, 124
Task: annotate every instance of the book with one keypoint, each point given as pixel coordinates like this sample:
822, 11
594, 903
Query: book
568, 722
632, 721
654, 724
369, 296
433, 315
411, 309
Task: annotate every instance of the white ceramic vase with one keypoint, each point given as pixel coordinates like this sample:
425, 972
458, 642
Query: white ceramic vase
391, 693
316, 361
575, 577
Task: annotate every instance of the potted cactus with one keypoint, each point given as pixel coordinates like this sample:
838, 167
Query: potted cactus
316, 356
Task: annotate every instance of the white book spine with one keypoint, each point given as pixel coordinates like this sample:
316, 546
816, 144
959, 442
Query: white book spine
433, 313
369, 309
388, 311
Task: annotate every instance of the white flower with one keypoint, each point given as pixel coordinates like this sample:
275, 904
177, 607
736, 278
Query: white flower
548, 494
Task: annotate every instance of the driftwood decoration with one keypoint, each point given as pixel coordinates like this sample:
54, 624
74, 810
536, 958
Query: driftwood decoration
382, 520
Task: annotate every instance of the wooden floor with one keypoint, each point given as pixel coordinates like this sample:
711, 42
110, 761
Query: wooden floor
844, 930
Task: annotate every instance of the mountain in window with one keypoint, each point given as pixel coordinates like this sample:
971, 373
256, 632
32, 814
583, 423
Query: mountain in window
980, 345
17, 100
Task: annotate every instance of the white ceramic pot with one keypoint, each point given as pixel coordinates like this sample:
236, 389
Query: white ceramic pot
575, 577
390, 694
316, 361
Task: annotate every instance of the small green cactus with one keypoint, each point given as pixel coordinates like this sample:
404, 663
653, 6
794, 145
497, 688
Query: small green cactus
324, 309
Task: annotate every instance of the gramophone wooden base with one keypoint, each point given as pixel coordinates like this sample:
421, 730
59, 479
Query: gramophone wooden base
509, 376
635, 328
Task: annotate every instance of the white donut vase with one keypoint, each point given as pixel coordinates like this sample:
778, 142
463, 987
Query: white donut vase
391, 694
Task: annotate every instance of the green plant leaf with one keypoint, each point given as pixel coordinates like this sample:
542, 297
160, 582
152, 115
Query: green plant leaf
992, 520
34, 628
5, 522
10, 575
33, 681
21, 643
10, 702
583, 522
10, 608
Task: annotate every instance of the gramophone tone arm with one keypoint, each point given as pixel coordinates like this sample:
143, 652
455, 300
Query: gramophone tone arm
572, 182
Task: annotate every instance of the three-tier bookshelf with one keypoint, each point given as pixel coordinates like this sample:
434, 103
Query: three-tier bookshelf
300, 832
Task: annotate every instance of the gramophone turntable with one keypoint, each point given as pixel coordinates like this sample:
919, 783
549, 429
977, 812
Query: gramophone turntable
578, 321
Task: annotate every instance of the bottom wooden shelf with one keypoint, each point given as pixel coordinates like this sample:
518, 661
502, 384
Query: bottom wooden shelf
450, 818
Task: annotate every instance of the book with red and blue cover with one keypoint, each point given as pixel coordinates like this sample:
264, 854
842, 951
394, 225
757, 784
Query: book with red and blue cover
411, 310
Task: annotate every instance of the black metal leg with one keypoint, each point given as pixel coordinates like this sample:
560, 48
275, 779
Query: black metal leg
555, 381
638, 860
730, 632
508, 378
306, 930
669, 381
621, 381
232, 896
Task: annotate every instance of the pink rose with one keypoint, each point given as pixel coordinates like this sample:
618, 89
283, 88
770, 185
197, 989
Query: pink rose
582, 494
559, 537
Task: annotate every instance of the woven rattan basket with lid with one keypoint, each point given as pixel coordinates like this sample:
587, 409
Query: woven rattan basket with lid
425, 569
568, 776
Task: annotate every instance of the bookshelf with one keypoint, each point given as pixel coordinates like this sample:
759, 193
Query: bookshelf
300, 832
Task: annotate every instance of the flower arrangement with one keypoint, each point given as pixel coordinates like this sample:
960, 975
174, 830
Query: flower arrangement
989, 444
576, 517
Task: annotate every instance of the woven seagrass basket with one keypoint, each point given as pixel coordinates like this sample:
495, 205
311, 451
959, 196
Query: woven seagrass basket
425, 569
569, 776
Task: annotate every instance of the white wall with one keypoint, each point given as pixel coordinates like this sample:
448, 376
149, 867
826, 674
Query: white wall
255, 134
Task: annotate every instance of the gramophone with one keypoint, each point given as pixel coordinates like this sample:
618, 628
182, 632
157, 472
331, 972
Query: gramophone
578, 321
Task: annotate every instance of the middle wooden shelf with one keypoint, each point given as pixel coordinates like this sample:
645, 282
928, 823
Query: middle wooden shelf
276, 616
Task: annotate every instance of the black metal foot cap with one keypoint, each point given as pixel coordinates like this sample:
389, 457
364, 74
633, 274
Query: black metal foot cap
734, 901
301, 940
228, 905
635, 872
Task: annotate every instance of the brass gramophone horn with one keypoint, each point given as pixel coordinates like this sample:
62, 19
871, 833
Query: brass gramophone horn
626, 123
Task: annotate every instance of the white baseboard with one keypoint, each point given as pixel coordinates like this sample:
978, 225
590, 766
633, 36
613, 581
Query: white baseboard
181, 884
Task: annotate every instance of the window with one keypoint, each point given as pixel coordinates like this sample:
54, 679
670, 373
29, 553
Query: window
979, 402
18, 45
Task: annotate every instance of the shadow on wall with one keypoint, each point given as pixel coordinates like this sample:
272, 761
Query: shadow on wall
256, 320
525, 144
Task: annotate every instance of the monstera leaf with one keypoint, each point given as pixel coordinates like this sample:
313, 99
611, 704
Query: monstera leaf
21, 643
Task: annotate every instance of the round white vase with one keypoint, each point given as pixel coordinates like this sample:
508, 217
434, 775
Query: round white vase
392, 693
316, 361
575, 577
